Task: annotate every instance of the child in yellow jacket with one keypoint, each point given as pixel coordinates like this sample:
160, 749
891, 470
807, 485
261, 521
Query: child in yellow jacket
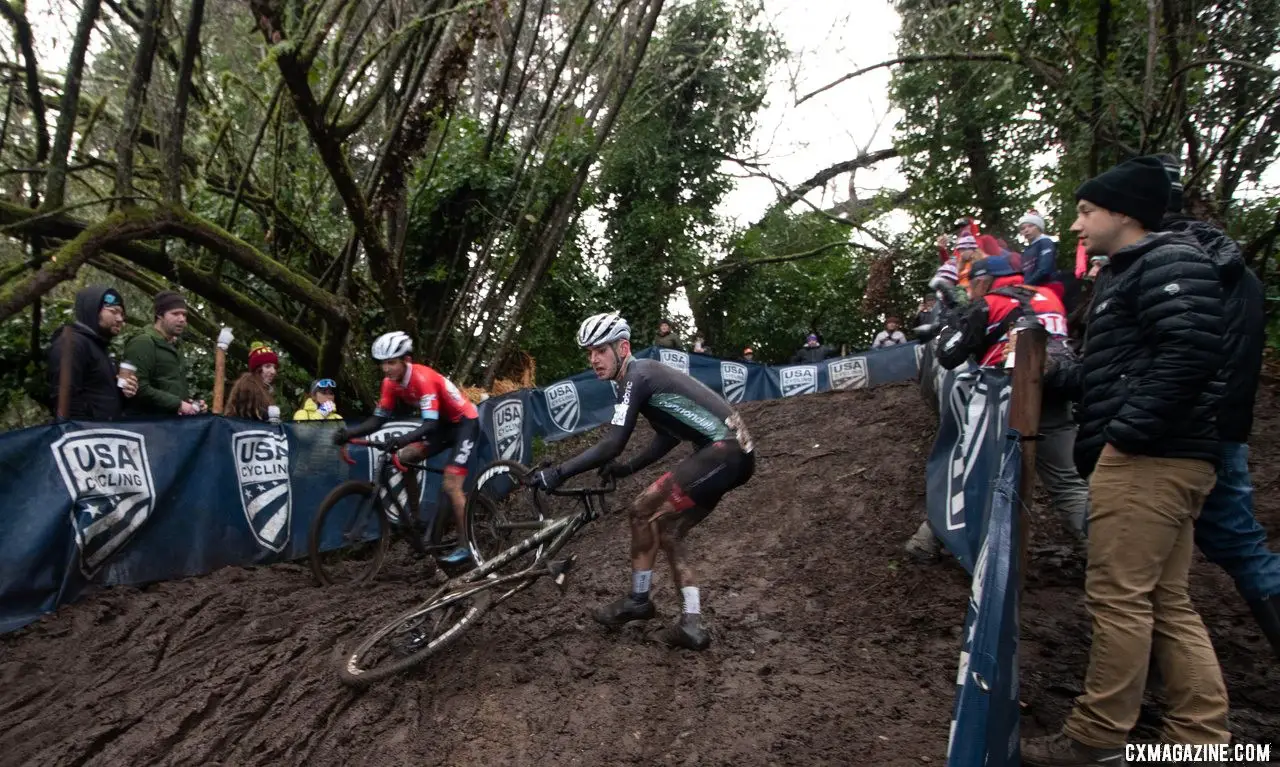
321, 405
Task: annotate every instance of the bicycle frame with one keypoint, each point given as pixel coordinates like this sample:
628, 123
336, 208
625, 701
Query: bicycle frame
382, 482
557, 531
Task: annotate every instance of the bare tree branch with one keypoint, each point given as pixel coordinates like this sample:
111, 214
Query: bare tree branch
173, 153
864, 160
22, 35
331, 153
69, 107
733, 266
1006, 56
136, 96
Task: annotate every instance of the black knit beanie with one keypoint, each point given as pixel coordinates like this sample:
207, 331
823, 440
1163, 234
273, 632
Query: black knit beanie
1138, 188
1174, 169
168, 300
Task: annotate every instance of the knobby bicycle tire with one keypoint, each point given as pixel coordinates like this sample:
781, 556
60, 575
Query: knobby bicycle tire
483, 508
365, 490
353, 675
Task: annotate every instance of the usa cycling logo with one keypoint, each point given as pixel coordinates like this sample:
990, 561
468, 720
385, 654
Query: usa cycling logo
393, 429
262, 467
674, 359
563, 403
733, 381
108, 477
508, 429
799, 380
848, 374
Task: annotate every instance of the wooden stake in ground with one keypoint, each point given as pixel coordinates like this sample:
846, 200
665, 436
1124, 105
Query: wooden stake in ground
64, 373
220, 368
1027, 340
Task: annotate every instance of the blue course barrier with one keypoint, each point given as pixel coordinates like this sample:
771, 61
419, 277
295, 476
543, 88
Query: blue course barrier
135, 502
972, 501
973, 413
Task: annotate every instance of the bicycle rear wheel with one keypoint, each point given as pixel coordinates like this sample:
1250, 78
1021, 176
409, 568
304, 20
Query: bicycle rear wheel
349, 535
413, 637
500, 513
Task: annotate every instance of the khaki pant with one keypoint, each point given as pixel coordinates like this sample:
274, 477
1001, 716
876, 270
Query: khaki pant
1140, 539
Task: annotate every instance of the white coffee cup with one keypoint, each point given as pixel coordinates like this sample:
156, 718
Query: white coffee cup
128, 372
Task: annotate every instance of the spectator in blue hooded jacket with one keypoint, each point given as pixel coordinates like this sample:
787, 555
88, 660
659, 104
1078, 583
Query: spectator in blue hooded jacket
1040, 259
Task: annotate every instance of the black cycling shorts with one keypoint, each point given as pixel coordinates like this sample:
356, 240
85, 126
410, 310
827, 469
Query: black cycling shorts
462, 438
703, 478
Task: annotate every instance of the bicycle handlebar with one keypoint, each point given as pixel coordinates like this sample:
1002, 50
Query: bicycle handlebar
607, 487
362, 442
376, 445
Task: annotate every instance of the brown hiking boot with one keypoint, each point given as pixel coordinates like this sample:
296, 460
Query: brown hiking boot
1059, 750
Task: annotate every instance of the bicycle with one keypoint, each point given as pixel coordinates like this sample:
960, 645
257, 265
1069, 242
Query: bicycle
359, 552
494, 514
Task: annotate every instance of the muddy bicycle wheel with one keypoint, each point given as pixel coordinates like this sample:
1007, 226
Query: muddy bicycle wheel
500, 513
349, 535
413, 637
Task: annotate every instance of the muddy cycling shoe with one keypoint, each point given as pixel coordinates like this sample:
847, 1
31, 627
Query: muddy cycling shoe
456, 557
687, 633
623, 611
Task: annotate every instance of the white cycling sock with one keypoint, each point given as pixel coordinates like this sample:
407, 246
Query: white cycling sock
692, 601
640, 582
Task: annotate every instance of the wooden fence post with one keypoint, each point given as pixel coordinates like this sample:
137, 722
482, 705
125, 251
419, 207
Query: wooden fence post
1028, 340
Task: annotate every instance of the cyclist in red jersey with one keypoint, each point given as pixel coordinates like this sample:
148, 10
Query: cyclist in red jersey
449, 420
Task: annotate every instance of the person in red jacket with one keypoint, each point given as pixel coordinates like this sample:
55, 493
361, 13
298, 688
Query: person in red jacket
997, 298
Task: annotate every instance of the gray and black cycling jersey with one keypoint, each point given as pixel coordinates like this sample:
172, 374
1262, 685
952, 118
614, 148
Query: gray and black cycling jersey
680, 409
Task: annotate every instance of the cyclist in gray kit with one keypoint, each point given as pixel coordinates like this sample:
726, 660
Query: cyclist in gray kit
680, 409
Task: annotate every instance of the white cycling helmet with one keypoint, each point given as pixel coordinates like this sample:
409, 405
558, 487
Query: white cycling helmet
601, 329
389, 346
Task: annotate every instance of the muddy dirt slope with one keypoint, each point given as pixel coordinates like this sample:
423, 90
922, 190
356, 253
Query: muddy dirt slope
828, 647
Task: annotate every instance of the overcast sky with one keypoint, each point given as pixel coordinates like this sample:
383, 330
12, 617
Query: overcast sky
827, 39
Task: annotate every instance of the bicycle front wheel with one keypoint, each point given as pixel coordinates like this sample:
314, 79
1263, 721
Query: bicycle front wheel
501, 512
413, 637
349, 535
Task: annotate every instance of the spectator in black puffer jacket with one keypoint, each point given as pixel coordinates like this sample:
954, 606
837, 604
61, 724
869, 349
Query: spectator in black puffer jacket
1148, 442
1227, 531
812, 351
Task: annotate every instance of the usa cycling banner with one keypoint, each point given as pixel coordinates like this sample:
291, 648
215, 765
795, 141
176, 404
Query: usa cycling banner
135, 502
973, 419
582, 402
985, 721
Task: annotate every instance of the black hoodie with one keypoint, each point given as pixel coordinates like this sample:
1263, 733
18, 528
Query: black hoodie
94, 394
1245, 321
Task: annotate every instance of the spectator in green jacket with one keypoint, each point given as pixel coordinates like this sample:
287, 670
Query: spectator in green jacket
666, 339
162, 370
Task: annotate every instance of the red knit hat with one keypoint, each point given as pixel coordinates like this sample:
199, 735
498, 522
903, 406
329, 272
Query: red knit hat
260, 354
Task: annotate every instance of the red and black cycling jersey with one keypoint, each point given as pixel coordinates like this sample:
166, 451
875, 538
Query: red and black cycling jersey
982, 330
432, 395
680, 409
